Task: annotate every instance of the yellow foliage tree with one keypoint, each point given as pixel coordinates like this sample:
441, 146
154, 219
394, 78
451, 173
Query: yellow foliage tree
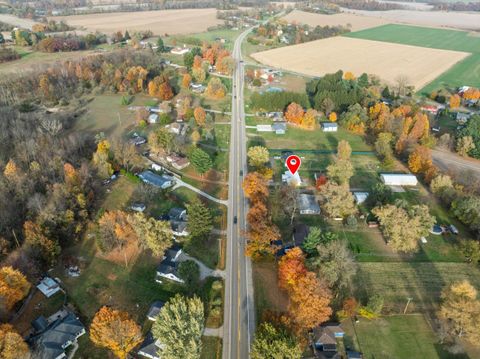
186, 80
115, 330
349, 76
294, 113
332, 117
13, 287
455, 101
309, 119
200, 116
12, 345
11, 170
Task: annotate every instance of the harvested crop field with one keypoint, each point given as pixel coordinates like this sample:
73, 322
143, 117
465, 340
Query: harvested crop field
357, 22
388, 61
159, 22
446, 19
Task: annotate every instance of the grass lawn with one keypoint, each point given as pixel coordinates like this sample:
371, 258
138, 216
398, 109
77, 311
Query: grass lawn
398, 336
210, 36
212, 348
38, 305
466, 72
299, 139
267, 294
106, 114
422, 281
121, 192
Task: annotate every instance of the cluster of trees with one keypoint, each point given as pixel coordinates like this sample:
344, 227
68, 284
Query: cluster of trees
124, 71
295, 114
404, 225
333, 92
277, 101
456, 6
294, 33
262, 233
463, 204
371, 5
460, 312
199, 60
179, 327
8, 54
117, 230
337, 200
468, 138
51, 26
309, 295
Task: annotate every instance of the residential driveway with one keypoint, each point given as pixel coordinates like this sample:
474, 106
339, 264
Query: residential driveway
204, 270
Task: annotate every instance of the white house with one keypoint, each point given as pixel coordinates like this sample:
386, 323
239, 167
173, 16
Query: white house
307, 204
264, 128
180, 50
462, 118
290, 179
48, 287
138, 207
398, 179
150, 347
153, 118
360, 197
329, 127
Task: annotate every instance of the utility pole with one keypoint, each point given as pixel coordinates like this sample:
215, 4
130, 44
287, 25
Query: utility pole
406, 306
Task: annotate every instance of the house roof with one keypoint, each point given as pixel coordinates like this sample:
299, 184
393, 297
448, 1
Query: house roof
326, 334
307, 202
173, 251
300, 232
155, 309
176, 213
167, 266
292, 179
40, 324
62, 331
178, 226
153, 178
279, 126
329, 125
48, 287
149, 347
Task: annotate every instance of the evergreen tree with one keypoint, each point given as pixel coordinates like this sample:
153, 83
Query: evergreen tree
199, 219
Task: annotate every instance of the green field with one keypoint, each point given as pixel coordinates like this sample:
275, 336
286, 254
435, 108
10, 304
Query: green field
423, 282
466, 72
399, 337
299, 139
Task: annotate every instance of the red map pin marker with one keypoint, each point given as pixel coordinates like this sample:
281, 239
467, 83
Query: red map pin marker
293, 163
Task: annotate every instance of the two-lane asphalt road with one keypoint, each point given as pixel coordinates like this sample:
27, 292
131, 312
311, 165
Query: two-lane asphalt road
239, 321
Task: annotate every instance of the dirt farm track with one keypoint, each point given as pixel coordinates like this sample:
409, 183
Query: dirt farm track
159, 22
386, 60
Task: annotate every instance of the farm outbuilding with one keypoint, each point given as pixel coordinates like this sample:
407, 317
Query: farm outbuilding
329, 127
399, 179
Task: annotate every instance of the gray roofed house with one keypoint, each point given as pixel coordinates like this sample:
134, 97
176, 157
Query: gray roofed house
150, 347
168, 267
52, 342
177, 214
154, 310
149, 177
40, 324
300, 232
307, 204
179, 228
279, 128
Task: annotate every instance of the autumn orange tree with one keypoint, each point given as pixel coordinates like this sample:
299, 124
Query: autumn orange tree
35, 238
455, 101
186, 80
115, 330
290, 268
310, 302
255, 187
200, 116
294, 113
14, 286
12, 345
420, 160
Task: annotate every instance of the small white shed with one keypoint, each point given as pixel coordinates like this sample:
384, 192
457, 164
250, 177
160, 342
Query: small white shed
399, 179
